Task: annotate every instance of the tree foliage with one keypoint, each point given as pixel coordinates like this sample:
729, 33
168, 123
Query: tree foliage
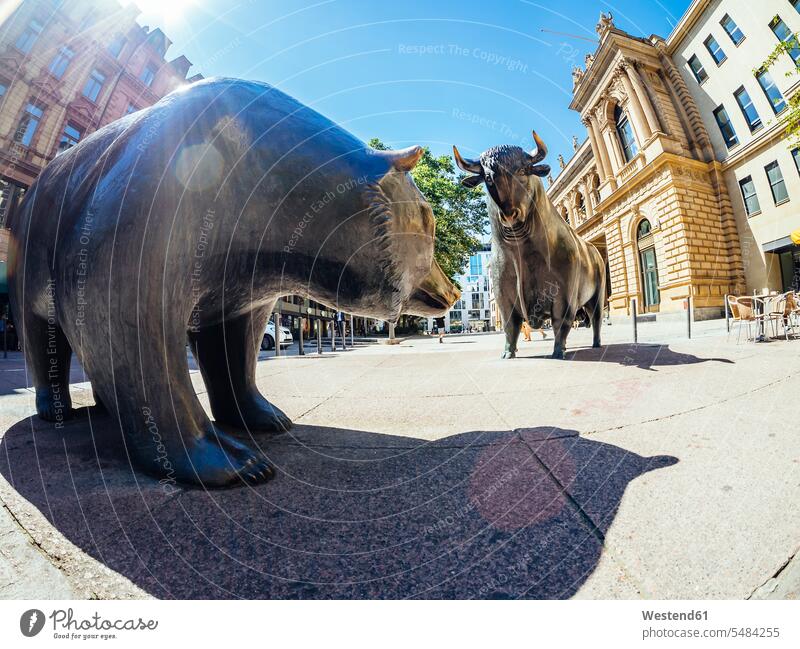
460, 212
792, 116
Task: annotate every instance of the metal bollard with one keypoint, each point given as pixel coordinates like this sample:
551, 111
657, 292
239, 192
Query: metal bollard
300, 350
635, 330
333, 335
727, 315
689, 317
277, 319
319, 336
352, 333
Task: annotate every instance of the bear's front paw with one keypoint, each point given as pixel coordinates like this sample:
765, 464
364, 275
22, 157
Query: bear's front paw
217, 460
254, 414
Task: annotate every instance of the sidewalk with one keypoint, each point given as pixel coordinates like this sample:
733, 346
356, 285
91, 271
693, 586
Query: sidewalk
438, 470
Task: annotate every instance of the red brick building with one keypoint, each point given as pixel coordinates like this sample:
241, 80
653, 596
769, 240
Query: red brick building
67, 69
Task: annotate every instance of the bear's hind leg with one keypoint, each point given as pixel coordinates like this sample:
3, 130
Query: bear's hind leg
47, 356
227, 355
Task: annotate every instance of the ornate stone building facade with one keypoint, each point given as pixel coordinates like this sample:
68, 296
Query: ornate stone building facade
645, 186
67, 69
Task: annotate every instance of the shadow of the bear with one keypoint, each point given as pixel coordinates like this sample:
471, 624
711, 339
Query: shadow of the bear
350, 514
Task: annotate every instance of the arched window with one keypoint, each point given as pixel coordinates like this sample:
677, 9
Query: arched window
625, 134
648, 265
565, 214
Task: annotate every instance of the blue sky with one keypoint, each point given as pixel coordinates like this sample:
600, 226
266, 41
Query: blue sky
433, 73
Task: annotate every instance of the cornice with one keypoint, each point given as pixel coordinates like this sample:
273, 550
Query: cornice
685, 24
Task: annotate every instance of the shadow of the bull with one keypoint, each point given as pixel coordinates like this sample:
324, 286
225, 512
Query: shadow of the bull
350, 514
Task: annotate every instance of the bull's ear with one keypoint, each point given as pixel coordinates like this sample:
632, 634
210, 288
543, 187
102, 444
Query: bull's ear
537, 170
471, 181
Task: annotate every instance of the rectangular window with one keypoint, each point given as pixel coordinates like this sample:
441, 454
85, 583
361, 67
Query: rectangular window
625, 132
732, 29
59, 64
697, 69
116, 45
475, 266
94, 84
784, 34
28, 125
28, 37
130, 109
70, 137
725, 127
748, 109
477, 300
771, 91
148, 74
714, 50
776, 182
749, 196
796, 152
3, 89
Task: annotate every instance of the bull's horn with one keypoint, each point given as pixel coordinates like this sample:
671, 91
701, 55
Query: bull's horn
465, 164
402, 159
541, 150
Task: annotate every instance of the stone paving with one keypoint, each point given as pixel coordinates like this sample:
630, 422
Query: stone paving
429, 470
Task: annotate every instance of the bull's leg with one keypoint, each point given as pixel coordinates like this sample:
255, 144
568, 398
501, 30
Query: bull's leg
594, 309
227, 355
166, 429
512, 324
563, 316
47, 357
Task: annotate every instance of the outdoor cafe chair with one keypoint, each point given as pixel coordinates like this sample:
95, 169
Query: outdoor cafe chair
747, 311
787, 312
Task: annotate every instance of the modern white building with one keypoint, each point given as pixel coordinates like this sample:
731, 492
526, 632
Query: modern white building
472, 312
719, 47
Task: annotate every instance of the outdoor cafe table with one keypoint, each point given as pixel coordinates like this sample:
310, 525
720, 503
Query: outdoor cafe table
762, 306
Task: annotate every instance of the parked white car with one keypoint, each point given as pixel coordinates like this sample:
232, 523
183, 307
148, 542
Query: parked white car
268, 342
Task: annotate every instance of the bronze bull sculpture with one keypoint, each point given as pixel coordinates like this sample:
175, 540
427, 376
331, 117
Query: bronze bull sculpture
541, 268
185, 222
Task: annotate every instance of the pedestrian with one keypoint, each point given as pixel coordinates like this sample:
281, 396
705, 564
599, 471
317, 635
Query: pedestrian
438, 325
340, 327
527, 329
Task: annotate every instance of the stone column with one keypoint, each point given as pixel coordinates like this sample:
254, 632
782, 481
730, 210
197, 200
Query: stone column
587, 197
614, 148
571, 215
637, 117
598, 147
644, 99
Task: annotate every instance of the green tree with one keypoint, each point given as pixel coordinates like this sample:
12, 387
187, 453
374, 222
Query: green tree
792, 116
460, 212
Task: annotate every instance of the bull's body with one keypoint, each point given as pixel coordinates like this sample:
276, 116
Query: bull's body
542, 270
186, 222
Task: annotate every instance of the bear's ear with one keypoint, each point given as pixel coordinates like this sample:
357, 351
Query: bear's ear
471, 181
403, 159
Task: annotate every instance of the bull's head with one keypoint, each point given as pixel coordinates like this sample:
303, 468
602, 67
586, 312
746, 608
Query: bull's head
506, 170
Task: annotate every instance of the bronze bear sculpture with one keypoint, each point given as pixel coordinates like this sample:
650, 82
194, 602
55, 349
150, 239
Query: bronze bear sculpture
540, 267
184, 223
